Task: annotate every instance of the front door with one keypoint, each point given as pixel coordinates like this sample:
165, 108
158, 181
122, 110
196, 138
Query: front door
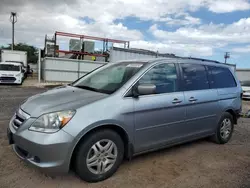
160, 117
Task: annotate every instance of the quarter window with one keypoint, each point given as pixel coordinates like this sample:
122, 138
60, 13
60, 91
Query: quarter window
221, 77
195, 77
163, 76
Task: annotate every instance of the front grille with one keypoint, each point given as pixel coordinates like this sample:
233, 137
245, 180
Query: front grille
7, 79
18, 121
20, 118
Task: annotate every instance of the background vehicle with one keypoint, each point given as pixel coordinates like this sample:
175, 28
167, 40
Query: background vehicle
246, 89
11, 73
15, 57
125, 109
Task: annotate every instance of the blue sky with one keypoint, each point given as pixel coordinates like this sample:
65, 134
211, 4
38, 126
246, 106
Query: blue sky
206, 17
197, 28
218, 18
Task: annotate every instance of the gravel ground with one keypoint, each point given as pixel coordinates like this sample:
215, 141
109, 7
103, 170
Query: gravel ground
197, 164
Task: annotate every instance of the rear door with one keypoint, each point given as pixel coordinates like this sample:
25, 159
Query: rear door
201, 101
229, 95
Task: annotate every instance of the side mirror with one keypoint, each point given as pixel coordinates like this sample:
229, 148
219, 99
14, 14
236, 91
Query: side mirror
23, 71
144, 89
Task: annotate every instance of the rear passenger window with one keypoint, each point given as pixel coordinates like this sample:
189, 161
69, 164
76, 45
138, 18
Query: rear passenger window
195, 77
221, 77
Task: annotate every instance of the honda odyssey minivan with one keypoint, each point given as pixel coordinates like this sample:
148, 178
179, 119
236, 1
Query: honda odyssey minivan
125, 109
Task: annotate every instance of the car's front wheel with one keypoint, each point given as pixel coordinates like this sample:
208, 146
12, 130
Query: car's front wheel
99, 155
21, 83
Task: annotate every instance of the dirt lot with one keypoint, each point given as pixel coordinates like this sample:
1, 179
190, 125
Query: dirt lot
197, 164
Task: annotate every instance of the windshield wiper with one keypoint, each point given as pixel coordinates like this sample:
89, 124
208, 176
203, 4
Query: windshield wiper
87, 88
93, 89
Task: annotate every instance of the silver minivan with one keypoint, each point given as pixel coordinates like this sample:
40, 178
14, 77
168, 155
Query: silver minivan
124, 109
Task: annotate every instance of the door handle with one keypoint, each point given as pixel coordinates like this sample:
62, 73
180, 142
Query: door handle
176, 101
192, 99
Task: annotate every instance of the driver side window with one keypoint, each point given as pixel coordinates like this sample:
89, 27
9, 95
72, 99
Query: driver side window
163, 76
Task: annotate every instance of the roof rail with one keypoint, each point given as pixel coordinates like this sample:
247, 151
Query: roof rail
200, 59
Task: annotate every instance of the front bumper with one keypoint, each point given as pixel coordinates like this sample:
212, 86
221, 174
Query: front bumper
246, 96
18, 80
49, 152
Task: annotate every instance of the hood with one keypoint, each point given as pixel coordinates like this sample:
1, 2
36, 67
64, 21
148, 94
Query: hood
61, 98
245, 88
9, 73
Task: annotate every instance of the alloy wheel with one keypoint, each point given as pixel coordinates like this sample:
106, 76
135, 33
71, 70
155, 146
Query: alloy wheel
102, 156
226, 128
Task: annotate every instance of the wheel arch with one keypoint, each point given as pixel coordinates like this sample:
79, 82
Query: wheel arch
128, 146
233, 113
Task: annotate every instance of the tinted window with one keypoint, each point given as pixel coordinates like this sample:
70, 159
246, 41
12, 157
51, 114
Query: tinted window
195, 77
164, 76
221, 77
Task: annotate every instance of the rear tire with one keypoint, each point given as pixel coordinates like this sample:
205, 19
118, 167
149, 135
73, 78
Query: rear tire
224, 129
99, 155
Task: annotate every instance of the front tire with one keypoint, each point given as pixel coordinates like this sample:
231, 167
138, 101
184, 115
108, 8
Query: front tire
99, 155
224, 129
19, 84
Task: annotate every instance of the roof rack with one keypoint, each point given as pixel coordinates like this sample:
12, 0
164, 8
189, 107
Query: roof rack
200, 59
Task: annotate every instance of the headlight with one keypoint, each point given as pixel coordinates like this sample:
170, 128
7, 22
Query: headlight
18, 74
52, 122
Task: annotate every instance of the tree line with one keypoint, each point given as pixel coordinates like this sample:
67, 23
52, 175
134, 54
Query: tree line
32, 54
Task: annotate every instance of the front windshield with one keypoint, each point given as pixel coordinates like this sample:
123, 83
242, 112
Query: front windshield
5, 67
109, 79
15, 62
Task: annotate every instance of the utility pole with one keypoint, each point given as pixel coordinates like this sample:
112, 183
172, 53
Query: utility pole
226, 56
13, 20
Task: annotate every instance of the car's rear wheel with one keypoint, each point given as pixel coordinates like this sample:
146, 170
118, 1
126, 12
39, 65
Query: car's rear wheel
224, 129
99, 155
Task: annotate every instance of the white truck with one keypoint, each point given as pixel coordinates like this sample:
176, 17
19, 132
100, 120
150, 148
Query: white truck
15, 56
11, 73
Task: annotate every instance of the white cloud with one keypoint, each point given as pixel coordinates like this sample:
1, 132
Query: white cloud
179, 49
242, 50
173, 48
238, 32
222, 6
39, 17
32, 30
204, 39
107, 11
180, 19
